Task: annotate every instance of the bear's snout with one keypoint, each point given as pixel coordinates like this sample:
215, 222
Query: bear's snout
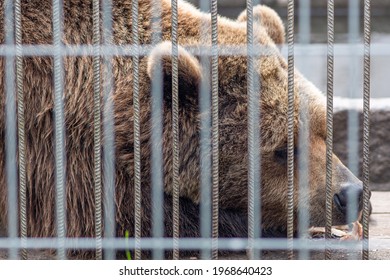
349, 201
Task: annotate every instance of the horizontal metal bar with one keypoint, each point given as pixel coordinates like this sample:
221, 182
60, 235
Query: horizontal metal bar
191, 243
356, 104
379, 49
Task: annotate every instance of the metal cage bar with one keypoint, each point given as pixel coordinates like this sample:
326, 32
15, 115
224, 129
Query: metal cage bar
304, 23
59, 131
175, 130
366, 127
290, 129
10, 132
157, 134
137, 133
254, 199
205, 136
21, 127
329, 124
109, 133
215, 127
341, 49
188, 243
97, 128
353, 115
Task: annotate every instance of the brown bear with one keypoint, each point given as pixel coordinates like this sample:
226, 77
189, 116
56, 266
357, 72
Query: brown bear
233, 123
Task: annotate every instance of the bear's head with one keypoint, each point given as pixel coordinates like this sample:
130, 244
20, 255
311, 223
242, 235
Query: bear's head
270, 70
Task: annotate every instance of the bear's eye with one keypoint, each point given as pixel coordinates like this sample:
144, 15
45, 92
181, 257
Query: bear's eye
281, 154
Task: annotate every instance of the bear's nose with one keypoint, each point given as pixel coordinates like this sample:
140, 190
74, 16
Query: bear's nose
350, 196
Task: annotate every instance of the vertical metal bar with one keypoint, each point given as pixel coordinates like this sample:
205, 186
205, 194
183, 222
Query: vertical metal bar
21, 128
97, 127
59, 130
329, 126
304, 135
366, 126
175, 128
303, 177
109, 134
137, 144
353, 20
254, 199
10, 133
290, 129
205, 136
157, 134
353, 115
215, 127
304, 21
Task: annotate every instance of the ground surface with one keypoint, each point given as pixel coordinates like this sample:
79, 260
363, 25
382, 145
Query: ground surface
379, 238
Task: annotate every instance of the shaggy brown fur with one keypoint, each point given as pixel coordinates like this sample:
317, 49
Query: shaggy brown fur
233, 110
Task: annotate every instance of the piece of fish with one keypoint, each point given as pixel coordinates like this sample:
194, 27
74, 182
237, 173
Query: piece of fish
353, 231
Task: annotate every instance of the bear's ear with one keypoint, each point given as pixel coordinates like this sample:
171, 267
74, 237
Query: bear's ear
270, 20
189, 71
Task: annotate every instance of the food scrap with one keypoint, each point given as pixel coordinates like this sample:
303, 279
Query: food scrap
339, 232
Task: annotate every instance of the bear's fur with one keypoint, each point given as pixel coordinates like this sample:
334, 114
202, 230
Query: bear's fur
233, 122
